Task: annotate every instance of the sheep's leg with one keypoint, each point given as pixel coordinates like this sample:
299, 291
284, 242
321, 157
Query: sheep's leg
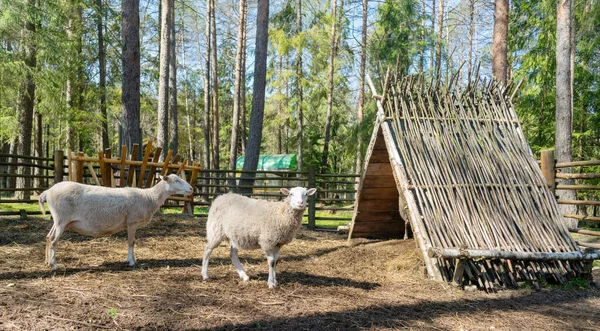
272, 256
238, 266
130, 243
207, 251
51, 242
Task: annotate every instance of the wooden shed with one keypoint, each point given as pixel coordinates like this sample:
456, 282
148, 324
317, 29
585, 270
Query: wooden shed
454, 163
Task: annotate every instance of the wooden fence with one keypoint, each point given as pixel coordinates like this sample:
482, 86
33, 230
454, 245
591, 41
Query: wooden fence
336, 192
587, 177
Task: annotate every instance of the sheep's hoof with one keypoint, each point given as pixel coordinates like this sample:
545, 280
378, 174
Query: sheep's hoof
54, 267
131, 264
204, 277
273, 285
245, 278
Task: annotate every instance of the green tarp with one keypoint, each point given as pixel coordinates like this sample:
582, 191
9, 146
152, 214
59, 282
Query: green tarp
272, 162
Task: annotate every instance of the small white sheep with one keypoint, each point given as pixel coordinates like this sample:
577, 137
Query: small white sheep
102, 211
250, 224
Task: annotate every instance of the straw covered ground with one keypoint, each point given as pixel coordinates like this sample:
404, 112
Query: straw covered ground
324, 284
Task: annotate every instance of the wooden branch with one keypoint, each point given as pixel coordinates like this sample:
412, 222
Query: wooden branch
166, 163
583, 217
102, 171
578, 187
579, 202
144, 163
123, 159
449, 253
577, 176
132, 159
585, 232
577, 164
152, 171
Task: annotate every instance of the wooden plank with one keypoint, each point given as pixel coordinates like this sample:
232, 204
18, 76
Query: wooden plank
377, 205
102, 171
165, 167
378, 169
183, 163
122, 171
150, 179
70, 165
547, 158
174, 162
108, 168
144, 163
381, 192
80, 169
379, 181
378, 216
134, 154
380, 156
93, 172
379, 143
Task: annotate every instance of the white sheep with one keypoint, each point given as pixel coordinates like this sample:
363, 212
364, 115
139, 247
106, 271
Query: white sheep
102, 211
250, 224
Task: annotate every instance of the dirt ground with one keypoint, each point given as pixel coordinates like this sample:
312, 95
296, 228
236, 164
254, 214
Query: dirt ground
324, 284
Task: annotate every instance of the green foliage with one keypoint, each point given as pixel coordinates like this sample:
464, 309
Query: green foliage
532, 42
398, 34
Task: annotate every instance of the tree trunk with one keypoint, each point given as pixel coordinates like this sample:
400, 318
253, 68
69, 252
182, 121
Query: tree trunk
564, 112
258, 99
27, 100
422, 48
191, 139
332, 54
39, 150
102, 73
299, 77
206, 116
215, 101
361, 83
279, 107
173, 113
499, 47
236, 92
162, 133
471, 35
438, 46
432, 49
75, 74
130, 59
244, 136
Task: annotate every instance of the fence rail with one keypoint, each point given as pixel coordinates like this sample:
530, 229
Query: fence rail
335, 195
588, 199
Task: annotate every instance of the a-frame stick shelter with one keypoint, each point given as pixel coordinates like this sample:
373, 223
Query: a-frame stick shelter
455, 164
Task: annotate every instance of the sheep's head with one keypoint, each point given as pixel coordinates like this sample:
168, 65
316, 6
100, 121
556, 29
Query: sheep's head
297, 196
177, 185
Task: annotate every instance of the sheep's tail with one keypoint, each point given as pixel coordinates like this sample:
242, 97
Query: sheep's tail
41, 200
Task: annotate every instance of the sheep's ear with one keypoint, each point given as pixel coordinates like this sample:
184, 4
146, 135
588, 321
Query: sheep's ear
311, 191
165, 178
285, 191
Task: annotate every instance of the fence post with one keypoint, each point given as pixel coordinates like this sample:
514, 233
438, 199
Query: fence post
312, 200
548, 170
59, 166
